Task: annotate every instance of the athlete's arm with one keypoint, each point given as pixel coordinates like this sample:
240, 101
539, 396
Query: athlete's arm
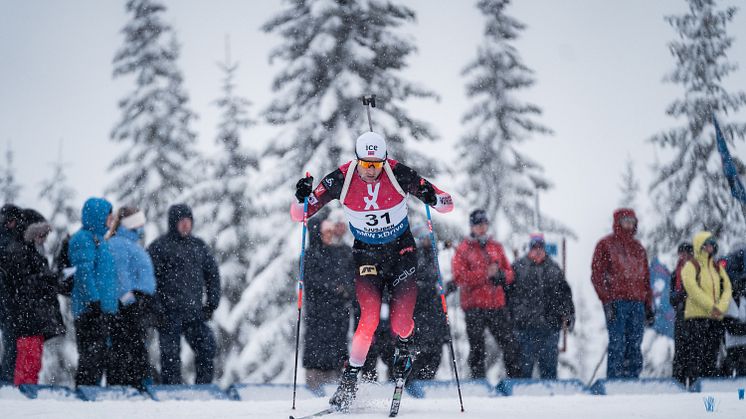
411, 182
326, 191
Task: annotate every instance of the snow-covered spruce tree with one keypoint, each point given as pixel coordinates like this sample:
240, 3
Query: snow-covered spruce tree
154, 167
503, 180
332, 53
9, 187
629, 187
690, 191
224, 205
63, 213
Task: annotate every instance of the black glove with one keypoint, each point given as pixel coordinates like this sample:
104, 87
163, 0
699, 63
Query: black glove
427, 194
499, 278
303, 188
569, 322
649, 316
207, 312
609, 312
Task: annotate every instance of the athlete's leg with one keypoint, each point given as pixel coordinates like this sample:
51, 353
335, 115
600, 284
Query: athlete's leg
403, 294
368, 291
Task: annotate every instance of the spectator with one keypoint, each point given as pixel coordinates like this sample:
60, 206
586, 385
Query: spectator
432, 331
10, 233
136, 286
481, 270
621, 278
709, 292
34, 308
186, 275
94, 295
735, 317
678, 299
328, 283
540, 303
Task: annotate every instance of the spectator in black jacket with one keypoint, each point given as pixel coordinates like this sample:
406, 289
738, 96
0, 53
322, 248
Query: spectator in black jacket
540, 302
34, 309
735, 317
677, 297
329, 293
10, 232
186, 275
429, 319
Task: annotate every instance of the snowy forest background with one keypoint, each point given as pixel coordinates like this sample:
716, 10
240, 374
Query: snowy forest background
238, 174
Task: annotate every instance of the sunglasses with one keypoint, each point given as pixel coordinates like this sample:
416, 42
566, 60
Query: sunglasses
370, 164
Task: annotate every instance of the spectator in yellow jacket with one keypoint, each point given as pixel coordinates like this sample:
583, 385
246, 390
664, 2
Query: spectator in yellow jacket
708, 291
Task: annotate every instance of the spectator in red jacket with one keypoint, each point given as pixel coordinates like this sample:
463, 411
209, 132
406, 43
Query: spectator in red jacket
481, 271
621, 278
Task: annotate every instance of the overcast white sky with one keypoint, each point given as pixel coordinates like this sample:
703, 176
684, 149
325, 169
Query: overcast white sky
599, 66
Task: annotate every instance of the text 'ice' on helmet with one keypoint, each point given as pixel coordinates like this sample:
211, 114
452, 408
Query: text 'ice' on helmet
371, 145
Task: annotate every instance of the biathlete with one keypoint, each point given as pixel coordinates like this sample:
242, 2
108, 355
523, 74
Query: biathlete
373, 191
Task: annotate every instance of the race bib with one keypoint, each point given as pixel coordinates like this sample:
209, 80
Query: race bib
378, 226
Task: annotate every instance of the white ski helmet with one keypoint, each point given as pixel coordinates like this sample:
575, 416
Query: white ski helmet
371, 145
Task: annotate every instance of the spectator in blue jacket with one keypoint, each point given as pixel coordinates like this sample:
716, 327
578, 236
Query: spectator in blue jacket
187, 275
136, 286
94, 295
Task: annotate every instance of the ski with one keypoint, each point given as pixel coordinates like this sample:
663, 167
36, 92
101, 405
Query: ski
317, 414
396, 401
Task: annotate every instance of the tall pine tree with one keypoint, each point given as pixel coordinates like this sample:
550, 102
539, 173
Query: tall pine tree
332, 53
502, 179
60, 355
629, 187
225, 206
58, 195
9, 187
690, 191
154, 167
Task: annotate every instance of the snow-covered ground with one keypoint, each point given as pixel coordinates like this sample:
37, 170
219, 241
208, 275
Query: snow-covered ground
679, 406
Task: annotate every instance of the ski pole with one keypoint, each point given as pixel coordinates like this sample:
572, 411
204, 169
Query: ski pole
601, 361
300, 293
443, 303
369, 100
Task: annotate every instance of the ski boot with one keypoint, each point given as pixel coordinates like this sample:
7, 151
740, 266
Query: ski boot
404, 355
345, 394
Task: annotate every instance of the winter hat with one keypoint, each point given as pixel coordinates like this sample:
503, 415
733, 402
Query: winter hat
134, 221
177, 213
10, 212
536, 240
686, 248
36, 225
370, 145
477, 217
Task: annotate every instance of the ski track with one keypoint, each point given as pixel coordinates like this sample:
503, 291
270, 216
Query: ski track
679, 406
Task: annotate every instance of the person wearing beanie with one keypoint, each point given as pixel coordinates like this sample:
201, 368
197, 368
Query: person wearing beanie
481, 271
677, 297
10, 216
34, 308
94, 294
540, 304
374, 192
621, 278
136, 287
187, 295
329, 295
